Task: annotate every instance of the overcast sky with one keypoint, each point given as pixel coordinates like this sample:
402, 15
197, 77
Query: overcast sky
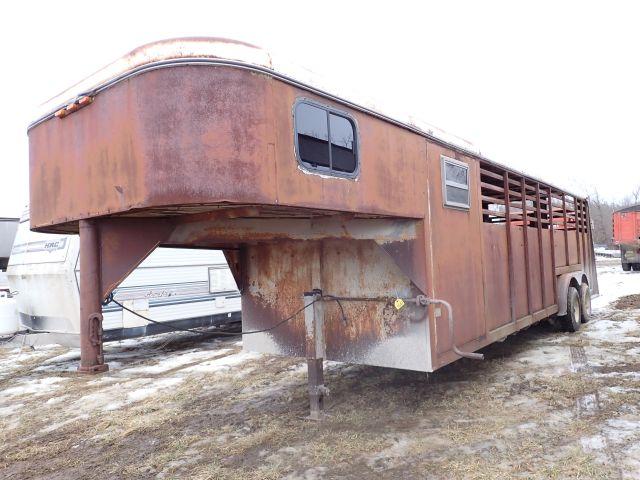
552, 89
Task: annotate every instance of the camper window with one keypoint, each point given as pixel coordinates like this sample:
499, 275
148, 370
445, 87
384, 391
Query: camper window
325, 139
455, 183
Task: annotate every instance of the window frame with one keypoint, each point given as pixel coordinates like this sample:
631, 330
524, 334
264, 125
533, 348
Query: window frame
329, 171
446, 202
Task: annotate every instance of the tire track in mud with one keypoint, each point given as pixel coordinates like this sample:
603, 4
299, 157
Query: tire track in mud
589, 404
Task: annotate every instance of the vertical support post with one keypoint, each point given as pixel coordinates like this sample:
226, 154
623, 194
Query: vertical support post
566, 228
91, 356
552, 225
540, 245
313, 322
507, 216
582, 229
525, 243
576, 222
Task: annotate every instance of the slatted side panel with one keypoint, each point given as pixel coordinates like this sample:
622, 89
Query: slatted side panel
530, 230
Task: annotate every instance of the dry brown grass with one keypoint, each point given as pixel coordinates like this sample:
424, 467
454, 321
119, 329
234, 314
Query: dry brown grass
466, 421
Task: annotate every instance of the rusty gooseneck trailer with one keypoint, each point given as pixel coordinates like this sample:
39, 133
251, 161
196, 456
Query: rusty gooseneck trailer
378, 224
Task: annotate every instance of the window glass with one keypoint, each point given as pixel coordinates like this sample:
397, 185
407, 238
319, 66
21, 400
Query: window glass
326, 139
456, 173
455, 183
457, 195
313, 135
342, 152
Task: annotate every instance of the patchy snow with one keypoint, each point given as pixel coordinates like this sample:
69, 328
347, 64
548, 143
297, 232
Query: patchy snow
605, 252
620, 430
71, 355
34, 387
56, 400
613, 331
594, 443
57, 425
10, 409
546, 357
391, 456
614, 283
146, 392
224, 363
176, 361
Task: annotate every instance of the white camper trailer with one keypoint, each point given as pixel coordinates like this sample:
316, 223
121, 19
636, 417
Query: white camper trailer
44, 273
8, 228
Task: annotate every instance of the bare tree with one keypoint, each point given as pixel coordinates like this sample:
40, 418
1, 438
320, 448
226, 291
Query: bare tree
601, 213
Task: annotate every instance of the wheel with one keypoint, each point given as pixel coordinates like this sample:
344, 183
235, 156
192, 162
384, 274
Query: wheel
626, 266
571, 321
636, 267
585, 303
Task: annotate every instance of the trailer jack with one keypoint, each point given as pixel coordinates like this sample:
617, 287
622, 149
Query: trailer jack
314, 329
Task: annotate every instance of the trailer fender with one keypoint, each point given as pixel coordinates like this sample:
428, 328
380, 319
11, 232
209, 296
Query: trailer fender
564, 281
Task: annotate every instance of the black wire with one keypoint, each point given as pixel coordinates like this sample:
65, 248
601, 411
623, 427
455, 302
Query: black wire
217, 332
13, 336
336, 299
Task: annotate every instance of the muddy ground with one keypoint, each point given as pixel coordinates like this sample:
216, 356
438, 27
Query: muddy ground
543, 404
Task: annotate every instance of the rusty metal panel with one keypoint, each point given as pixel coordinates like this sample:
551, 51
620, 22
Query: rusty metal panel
167, 137
456, 248
559, 248
573, 248
375, 333
411, 256
497, 308
549, 269
196, 135
124, 244
535, 280
519, 272
383, 230
392, 177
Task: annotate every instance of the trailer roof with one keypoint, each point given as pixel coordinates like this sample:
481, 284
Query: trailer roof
222, 51
191, 49
631, 208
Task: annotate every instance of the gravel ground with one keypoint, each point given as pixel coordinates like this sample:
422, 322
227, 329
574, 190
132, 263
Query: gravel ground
544, 404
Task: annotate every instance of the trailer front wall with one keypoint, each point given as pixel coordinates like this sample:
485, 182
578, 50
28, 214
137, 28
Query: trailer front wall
371, 332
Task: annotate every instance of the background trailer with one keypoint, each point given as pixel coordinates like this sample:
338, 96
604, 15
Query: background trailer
176, 287
376, 225
626, 234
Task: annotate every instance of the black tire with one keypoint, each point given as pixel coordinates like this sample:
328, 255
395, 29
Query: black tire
571, 321
585, 303
636, 267
626, 266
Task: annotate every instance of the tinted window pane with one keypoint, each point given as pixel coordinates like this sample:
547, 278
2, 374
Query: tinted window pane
342, 151
455, 173
457, 195
313, 135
